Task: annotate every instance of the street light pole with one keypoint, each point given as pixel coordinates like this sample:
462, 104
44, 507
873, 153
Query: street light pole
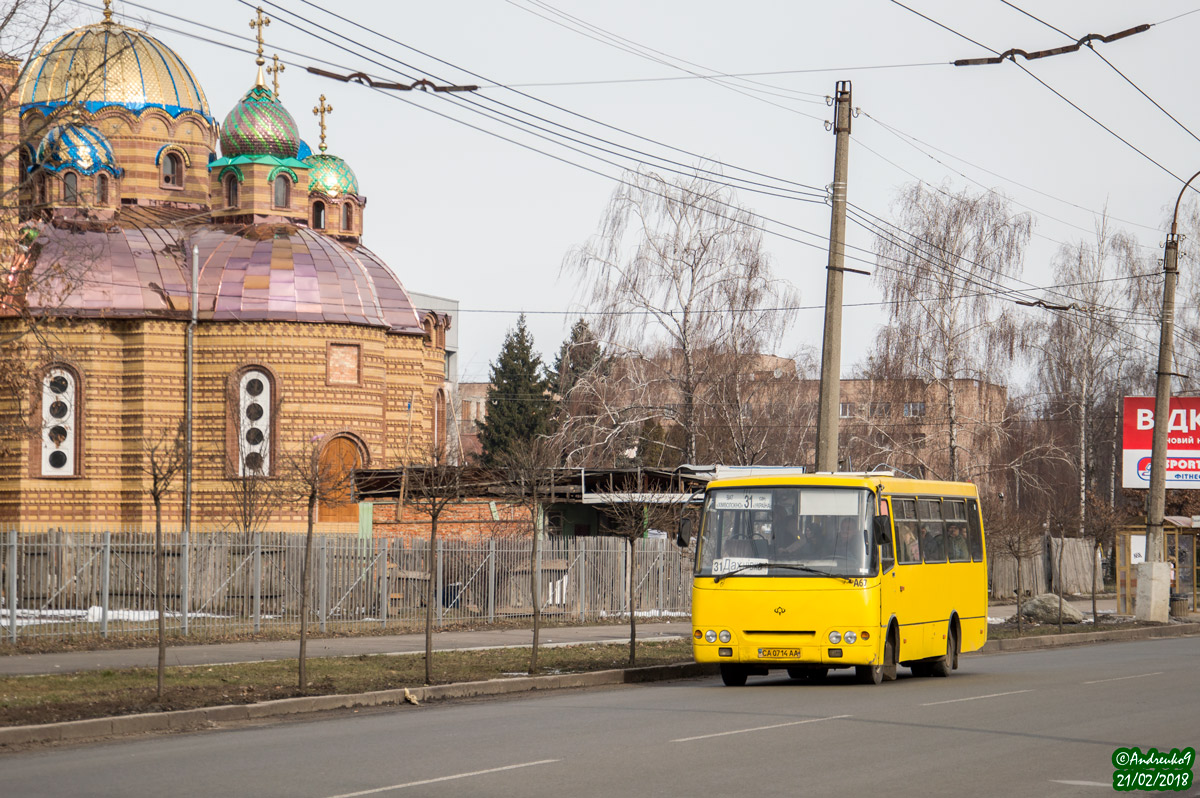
1154, 580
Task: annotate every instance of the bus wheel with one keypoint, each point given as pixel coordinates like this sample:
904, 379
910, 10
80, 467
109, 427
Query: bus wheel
889, 659
869, 674
948, 661
733, 676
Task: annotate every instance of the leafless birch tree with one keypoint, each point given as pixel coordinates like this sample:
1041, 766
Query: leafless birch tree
163, 456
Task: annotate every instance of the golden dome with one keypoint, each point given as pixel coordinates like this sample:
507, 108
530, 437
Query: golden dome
110, 64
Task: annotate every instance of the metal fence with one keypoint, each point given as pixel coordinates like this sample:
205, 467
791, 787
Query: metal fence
60, 582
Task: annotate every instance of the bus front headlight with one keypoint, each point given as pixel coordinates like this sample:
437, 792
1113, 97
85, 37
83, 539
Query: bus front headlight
725, 636
710, 636
850, 637
835, 637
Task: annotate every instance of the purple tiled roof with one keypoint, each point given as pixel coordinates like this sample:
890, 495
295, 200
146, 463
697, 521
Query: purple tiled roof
135, 267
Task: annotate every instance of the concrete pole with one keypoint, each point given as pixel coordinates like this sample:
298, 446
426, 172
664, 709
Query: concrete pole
189, 365
831, 348
1152, 602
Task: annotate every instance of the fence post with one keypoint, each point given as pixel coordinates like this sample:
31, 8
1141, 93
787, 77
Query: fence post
437, 592
382, 559
662, 553
491, 598
324, 582
257, 582
11, 587
184, 580
105, 560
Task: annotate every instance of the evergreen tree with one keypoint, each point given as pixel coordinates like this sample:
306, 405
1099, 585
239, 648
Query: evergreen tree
578, 354
518, 401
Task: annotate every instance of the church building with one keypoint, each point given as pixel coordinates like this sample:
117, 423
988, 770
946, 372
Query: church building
122, 182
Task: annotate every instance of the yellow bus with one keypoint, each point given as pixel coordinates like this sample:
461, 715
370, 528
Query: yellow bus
813, 572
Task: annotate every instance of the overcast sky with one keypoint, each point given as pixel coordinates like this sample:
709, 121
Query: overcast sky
460, 213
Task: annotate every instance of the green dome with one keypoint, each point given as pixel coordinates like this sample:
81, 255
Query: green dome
259, 125
330, 175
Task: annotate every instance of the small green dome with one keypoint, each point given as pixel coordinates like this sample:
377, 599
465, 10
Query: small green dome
330, 175
260, 125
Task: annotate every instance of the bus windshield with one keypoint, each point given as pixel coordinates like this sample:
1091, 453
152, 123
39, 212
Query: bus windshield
826, 531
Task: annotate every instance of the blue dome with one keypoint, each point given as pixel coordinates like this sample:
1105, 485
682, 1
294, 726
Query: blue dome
76, 146
305, 150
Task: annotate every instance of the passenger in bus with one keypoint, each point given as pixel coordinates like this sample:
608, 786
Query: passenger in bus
931, 544
847, 538
958, 544
909, 550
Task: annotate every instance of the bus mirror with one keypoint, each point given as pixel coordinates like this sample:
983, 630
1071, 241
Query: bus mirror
880, 526
684, 536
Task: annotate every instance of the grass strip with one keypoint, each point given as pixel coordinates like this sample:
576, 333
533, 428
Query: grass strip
76, 696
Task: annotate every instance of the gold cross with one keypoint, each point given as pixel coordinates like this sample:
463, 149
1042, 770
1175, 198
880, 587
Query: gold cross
320, 109
260, 21
274, 71
107, 12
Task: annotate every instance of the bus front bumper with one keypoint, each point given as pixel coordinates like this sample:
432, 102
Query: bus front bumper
777, 654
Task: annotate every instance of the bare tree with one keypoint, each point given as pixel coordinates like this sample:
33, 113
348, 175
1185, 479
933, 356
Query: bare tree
1018, 533
937, 267
631, 517
529, 473
313, 473
430, 490
678, 273
163, 456
1102, 522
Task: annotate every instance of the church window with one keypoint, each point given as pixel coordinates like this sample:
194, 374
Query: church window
172, 170
283, 191
70, 188
42, 188
254, 424
318, 215
101, 189
59, 423
231, 191
347, 216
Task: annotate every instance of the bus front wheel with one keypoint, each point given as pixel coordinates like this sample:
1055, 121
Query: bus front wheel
733, 676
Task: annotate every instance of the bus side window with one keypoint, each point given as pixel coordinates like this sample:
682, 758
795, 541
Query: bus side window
907, 548
887, 554
929, 515
956, 530
975, 538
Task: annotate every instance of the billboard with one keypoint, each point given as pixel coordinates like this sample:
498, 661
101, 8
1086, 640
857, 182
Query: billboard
1183, 442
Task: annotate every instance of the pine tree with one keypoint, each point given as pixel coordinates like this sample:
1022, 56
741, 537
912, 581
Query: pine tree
577, 355
518, 402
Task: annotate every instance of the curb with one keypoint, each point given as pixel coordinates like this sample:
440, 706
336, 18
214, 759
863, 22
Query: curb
1083, 638
208, 717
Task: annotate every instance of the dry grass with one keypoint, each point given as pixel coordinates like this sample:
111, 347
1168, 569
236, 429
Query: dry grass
60, 697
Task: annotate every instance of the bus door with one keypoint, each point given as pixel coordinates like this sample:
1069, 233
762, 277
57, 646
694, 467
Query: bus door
902, 589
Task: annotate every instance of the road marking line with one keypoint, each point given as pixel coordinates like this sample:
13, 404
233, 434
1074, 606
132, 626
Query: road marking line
976, 698
444, 778
756, 728
1120, 678
1107, 784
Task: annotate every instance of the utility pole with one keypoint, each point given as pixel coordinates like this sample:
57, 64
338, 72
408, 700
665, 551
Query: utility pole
829, 404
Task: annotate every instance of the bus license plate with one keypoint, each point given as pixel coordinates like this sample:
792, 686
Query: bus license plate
780, 653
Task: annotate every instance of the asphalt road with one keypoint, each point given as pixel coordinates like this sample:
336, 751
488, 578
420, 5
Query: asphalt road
1040, 723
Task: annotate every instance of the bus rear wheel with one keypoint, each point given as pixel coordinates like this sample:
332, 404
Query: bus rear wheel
948, 661
733, 676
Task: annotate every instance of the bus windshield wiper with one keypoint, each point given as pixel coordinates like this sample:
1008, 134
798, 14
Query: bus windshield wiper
790, 566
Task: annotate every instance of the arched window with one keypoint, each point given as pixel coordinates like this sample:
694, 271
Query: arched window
43, 189
101, 189
70, 188
172, 170
59, 422
347, 216
283, 192
318, 217
25, 163
231, 191
254, 424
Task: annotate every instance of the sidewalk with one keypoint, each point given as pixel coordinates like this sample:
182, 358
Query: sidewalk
221, 653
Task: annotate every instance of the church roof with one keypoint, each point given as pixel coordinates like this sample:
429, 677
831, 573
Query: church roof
109, 64
268, 272
76, 146
260, 125
330, 175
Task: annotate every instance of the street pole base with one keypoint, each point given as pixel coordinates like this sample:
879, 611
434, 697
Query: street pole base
1152, 602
